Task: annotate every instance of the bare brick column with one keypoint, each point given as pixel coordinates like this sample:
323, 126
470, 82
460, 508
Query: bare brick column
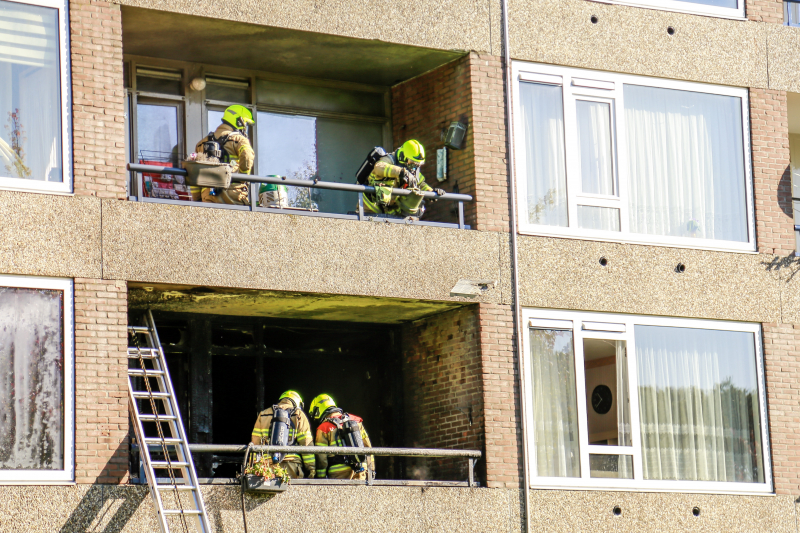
772, 182
442, 381
98, 99
489, 130
501, 396
782, 368
101, 394
765, 10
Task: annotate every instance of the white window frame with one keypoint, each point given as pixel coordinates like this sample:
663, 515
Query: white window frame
580, 84
686, 7
574, 320
65, 186
67, 474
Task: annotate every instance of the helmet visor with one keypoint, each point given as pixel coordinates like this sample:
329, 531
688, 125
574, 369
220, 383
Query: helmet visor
411, 163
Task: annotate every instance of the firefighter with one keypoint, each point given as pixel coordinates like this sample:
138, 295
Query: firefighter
334, 431
299, 434
399, 170
236, 150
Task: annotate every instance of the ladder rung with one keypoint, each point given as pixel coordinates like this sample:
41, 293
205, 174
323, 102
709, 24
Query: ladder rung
161, 418
148, 373
144, 353
146, 395
139, 329
175, 487
156, 440
164, 464
181, 511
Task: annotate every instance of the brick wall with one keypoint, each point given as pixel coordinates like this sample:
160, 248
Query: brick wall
764, 10
489, 124
772, 182
782, 367
98, 99
101, 394
443, 393
469, 90
501, 396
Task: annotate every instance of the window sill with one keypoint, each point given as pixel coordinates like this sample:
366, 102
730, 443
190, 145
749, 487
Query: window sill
767, 493
632, 240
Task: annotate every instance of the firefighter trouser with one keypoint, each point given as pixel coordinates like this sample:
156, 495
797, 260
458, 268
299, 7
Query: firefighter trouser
294, 469
346, 473
234, 195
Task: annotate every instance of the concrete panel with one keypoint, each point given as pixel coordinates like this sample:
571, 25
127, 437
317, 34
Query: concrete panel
566, 274
219, 247
49, 235
635, 40
783, 44
443, 24
558, 511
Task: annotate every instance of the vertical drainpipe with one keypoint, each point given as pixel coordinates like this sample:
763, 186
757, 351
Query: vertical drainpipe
518, 326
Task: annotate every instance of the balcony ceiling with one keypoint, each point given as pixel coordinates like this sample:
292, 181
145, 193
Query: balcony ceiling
161, 34
279, 304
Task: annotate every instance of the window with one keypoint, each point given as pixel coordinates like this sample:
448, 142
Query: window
617, 401
791, 12
718, 8
36, 379
35, 144
631, 159
794, 147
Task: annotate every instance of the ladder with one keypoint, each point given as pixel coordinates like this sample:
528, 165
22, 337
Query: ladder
159, 431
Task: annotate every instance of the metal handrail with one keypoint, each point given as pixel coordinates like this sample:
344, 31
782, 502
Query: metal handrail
472, 456
315, 184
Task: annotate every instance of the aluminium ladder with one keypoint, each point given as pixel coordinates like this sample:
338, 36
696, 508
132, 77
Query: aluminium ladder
159, 431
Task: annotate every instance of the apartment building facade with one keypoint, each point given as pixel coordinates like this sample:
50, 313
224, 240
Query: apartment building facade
627, 358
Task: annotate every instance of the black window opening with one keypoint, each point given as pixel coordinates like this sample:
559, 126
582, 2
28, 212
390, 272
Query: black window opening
226, 369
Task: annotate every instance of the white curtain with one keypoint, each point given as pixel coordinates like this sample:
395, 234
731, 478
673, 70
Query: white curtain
623, 396
686, 164
30, 93
543, 120
555, 407
698, 405
594, 146
31, 379
719, 3
602, 218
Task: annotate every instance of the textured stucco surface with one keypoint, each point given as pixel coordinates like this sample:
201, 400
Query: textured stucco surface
566, 274
783, 44
635, 40
49, 235
561, 511
443, 24
129, 509
220, 247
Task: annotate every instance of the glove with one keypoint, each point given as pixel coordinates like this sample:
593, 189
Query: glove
439, 192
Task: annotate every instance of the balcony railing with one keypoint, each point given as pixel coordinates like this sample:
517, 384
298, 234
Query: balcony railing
310, 184
471, 456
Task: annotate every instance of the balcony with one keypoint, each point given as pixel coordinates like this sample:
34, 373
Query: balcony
320, 104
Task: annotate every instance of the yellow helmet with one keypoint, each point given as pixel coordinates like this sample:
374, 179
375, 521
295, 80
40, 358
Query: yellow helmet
294, 396
238, 116
320, 405
411, 154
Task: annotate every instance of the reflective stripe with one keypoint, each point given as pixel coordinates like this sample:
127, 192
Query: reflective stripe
338, 468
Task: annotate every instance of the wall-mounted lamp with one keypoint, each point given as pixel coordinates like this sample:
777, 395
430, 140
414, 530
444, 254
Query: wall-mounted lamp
454, 138
198, 83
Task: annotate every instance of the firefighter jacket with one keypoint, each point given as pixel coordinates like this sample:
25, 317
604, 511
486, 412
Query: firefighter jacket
328, 435
240, 154
384, 177
300, 433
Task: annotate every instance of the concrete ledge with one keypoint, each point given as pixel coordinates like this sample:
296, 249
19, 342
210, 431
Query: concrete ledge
158, 243
50, 235
635, 41
566, 274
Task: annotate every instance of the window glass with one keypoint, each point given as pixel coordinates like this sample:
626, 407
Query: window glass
228, 90
792, 12
543, 120
30, 93
594, 147
157, 133
698, 405
555, 409
600, 218
686, 164
31, 379
304, 147
611, 466
157, 80
733, 4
